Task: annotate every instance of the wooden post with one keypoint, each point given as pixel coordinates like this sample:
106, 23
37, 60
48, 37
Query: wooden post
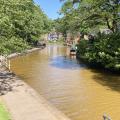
9, 65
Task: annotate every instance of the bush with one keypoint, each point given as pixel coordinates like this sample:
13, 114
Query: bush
12, 45
105, 51
22, 23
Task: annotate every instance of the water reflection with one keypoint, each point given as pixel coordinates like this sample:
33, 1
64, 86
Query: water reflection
110, 80
81, 93
65, 62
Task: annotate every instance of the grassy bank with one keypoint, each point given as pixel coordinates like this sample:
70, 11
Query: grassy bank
4, 115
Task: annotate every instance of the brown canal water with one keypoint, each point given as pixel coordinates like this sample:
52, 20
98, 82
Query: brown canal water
79, 92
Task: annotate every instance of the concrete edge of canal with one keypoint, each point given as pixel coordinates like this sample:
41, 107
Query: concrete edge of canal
11, 56
24, 103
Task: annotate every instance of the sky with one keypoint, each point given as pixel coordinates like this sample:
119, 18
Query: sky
50, 7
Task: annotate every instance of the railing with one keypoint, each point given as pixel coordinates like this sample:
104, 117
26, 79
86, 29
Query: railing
5, 62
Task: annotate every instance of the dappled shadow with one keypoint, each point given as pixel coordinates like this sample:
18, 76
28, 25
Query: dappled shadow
6, 80
5, 75
65, 62
107, 79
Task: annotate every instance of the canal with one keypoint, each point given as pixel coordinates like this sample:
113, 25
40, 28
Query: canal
78, 91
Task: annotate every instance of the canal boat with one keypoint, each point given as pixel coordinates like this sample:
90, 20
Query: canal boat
73, 50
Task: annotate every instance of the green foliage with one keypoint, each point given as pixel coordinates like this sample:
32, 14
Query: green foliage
14, 44
105, 51
4, 115
83, 15
88, 16
61, 26
82, 47
21, 24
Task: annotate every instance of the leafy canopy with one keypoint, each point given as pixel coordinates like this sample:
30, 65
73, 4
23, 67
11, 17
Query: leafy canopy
22, 23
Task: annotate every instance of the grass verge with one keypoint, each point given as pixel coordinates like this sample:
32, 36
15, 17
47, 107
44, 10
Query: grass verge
4, 114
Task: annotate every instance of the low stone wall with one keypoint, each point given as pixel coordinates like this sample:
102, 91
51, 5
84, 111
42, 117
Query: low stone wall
26, 52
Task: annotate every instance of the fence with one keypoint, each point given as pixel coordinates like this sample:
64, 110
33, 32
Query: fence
4, 62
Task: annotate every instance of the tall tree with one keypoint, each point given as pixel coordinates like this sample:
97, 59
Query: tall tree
22, 23
92, 13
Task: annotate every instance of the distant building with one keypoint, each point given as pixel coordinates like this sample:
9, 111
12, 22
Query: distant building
54, 36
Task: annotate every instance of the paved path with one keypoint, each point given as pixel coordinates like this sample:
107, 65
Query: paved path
25, 104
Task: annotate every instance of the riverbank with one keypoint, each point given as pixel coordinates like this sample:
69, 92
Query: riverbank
24, 103
96, 66
25, 52
103, 52
7, 78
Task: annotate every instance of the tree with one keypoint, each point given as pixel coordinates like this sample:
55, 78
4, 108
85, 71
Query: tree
86, 15
21, 24
92, 13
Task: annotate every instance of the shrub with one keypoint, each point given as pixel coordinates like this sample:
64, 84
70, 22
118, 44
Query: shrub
105, 51
12, 45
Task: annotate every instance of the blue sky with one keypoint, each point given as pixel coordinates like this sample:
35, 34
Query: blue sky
50, 7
